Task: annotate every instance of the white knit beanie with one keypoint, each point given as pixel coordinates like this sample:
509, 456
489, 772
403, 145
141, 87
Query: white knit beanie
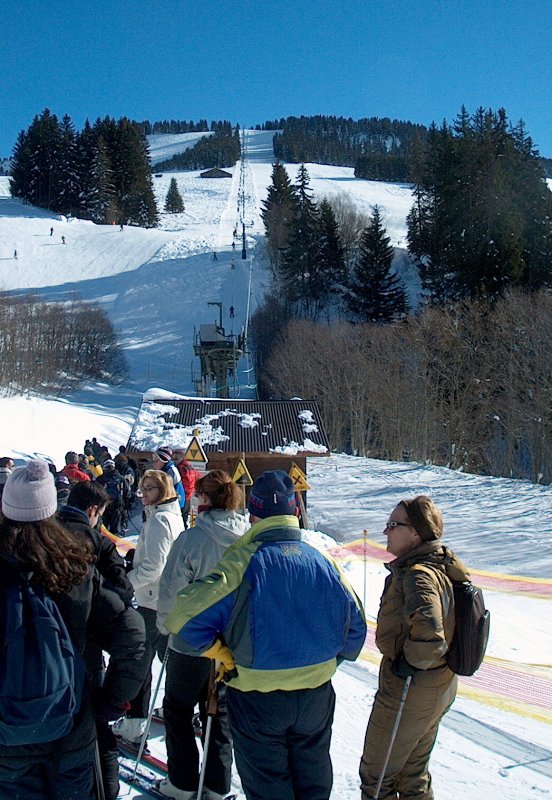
30, 493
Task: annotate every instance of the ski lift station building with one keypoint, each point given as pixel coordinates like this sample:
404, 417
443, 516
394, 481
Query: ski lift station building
264, 434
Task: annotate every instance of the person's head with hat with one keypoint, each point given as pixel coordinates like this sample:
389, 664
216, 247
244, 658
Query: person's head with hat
162, 457
272, 495
31, 534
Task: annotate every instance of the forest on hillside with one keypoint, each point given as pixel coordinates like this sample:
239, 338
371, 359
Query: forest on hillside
431, 382
101, 173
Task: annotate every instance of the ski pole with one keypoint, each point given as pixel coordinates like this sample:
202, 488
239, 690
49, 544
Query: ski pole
150, 715
406, 687
98, 771
212, 708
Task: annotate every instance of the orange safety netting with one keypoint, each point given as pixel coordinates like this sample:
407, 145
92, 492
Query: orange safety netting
512, 686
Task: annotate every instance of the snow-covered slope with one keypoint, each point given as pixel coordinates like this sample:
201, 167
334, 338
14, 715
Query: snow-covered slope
156, 285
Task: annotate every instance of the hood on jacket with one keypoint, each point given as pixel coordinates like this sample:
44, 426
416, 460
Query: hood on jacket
218, 523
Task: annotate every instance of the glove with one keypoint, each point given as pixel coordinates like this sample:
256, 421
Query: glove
401, 668
227, 667
110, 713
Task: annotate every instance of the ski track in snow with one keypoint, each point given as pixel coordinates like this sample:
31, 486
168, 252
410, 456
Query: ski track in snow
155, 284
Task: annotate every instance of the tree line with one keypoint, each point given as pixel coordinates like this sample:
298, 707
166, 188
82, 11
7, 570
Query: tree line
378, 148
468, 387
482, 215
101, 173
219, 150
54, 347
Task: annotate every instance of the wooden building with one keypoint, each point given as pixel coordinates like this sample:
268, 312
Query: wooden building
264, 434
216, 172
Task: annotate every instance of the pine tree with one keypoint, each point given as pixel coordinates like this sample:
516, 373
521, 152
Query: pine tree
332, 272
375, 293
277, 212
66, 173
299, 276
101, 202
173, 201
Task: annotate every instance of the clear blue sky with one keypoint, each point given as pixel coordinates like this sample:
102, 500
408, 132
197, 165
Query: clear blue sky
252, 60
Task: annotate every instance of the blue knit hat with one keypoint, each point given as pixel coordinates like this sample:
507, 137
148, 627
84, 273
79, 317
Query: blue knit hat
271, 495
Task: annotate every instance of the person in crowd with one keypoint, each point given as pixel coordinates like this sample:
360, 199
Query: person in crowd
194, 554
72, 469
92, 466
255, 613
161, 528
32, 541
85, 508
96, 448
84, 465
129, 477
7, 464
104, 455
86, 504
63, 488
188, 476
414, 630
115, 514
163, 460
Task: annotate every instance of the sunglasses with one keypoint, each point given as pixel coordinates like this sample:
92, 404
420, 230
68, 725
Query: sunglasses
149, 488
392, 523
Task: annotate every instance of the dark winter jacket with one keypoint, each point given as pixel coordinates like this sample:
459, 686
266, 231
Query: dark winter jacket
285, 609
95, 615
109, 563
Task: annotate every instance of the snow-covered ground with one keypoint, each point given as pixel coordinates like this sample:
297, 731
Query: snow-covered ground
156, 285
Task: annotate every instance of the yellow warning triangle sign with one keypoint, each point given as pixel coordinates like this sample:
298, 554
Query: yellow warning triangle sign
299, 478
241, 475
195, 452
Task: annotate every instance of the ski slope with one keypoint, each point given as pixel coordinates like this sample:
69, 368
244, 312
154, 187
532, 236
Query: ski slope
156, 284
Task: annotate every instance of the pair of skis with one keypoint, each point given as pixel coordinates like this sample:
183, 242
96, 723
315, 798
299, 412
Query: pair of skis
146, 779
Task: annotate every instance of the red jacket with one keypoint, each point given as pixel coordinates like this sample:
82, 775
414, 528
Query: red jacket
189, 477
75, 474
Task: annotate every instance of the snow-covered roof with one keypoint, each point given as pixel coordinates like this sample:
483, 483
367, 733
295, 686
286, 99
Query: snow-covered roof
286, 427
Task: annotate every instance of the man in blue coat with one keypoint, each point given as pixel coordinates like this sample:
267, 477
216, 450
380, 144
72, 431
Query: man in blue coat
280, 615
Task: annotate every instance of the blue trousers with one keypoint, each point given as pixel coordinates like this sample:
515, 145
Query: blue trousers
49, 777
282, 742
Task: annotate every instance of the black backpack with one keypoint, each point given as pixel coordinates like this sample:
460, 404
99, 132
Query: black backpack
41, 673
471, 634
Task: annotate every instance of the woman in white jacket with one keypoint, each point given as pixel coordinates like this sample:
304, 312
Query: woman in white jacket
194, 555
161, 529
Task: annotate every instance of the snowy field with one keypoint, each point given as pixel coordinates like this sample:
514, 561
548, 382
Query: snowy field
155, 285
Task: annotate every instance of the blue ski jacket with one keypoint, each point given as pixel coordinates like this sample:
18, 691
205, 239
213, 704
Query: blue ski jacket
284, 608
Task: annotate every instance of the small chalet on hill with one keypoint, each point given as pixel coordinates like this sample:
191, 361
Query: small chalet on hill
216, 172
263, 434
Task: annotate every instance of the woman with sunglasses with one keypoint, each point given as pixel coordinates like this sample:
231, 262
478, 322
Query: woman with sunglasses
414, 630
163, 523
195, 554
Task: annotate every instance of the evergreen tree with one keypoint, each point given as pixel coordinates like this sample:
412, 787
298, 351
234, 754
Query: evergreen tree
332, 272
375, 293
65, 171
101, 202
277, 212
173, 201
299, 273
